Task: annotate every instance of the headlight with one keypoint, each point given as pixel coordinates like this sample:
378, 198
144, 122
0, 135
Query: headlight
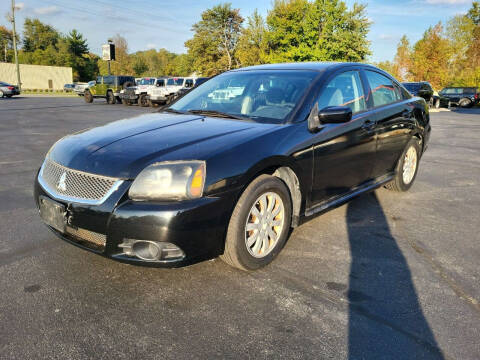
173, 180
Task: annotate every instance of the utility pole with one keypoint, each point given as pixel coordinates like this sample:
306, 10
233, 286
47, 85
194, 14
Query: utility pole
15, 46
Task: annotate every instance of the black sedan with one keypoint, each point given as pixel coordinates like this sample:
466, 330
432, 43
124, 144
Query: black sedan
230, 167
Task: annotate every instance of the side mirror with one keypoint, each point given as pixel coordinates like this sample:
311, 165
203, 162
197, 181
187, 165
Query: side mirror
328, 115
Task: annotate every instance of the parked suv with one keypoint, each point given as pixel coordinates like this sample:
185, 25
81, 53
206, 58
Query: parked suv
459, 96
108, 87
424, 90
138, 93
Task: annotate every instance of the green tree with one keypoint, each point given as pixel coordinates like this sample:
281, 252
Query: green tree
37, 35
474, 13
77, 45
6, 44
403, 60
430, 57
252, 44
215, 41
320, 30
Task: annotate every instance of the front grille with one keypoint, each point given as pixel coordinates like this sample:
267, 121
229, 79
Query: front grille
130, 91
74, 185
87, 238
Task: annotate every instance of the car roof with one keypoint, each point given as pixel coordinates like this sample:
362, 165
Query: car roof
415, 82
312, 66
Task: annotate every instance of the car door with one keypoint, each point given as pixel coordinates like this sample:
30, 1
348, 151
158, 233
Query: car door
394, 120
344, 154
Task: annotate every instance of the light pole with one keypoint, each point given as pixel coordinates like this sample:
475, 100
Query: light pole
15, 46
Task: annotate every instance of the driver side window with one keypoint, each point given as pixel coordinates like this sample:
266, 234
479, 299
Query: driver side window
344, 89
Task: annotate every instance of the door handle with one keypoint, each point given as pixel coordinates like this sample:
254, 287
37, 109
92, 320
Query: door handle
368, 125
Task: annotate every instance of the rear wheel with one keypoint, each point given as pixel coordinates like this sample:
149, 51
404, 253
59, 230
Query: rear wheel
142, 100
407, 167
110, 98
88, 97
465, 103
259, 225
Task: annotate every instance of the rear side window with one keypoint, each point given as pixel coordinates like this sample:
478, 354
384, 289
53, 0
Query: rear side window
189, 83
161, 82
344, 89
382, 89
108, 80
99, 79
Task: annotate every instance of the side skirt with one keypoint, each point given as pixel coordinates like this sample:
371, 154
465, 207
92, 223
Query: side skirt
340, 200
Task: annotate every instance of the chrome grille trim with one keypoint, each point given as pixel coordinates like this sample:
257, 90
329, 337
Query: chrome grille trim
81, 187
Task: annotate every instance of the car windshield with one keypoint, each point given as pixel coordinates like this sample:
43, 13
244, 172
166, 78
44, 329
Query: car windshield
452, 91
146, 81
175, 81
264, 96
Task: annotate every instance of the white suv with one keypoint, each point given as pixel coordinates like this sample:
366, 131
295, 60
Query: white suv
139, 93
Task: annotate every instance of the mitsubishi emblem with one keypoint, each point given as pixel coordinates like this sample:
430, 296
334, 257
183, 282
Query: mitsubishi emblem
62, 182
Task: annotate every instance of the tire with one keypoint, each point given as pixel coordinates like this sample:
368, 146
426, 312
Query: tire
128, 84
88, 97
237, 253
465, 103
110, 98
401, 182
142, 100
170, 99
1, 94
430, 103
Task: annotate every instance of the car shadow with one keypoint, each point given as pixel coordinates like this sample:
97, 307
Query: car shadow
385, 317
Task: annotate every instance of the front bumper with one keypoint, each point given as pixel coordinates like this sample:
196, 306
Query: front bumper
124, 96
197, 226
157, 97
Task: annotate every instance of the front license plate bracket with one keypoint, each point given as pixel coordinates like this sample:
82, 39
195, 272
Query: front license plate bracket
53, 213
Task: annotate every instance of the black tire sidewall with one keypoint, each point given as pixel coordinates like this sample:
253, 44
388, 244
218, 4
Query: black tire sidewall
141, 100
88, 97
110, 98
267, 184
402, 186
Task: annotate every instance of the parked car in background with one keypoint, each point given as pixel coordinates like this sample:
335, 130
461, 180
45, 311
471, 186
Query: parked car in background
191, 84
81, 87
459, 96
424, 90
170, 91
8, 90
108, 87
68, 87
232, 175
139, 93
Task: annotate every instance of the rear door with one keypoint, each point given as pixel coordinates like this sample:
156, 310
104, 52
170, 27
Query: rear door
394, 122
344, 154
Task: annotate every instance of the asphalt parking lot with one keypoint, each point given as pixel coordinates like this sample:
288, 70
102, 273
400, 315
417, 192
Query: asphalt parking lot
391, 276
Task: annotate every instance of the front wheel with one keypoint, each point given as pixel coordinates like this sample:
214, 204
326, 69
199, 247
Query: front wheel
88, 97
142, 100
259, 225
110, 98
407, 167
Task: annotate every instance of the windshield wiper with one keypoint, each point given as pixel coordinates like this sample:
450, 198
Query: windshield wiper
216, 113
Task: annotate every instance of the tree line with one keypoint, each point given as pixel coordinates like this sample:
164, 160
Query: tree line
446, 55
291, 31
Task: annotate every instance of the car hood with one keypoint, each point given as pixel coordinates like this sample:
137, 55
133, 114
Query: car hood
123, 148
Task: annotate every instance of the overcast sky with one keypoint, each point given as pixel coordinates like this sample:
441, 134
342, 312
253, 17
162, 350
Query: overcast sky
167, 24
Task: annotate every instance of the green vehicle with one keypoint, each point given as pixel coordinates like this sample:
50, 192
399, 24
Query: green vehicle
108, 87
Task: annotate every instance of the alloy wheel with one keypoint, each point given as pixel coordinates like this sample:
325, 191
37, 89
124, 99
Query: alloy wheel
264, 225
409, 165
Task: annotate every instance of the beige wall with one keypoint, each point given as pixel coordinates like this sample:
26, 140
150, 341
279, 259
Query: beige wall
36, 76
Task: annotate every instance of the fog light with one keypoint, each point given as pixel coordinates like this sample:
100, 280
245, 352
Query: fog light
151, 250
